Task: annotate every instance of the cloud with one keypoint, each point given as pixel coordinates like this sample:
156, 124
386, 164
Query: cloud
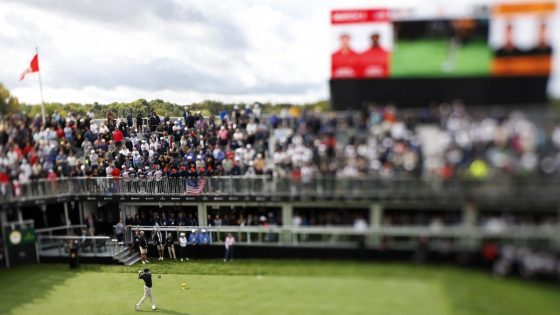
163, 45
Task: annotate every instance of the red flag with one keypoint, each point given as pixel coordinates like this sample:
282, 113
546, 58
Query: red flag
33, 67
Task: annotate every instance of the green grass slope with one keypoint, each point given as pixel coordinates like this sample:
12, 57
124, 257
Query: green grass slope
272, 287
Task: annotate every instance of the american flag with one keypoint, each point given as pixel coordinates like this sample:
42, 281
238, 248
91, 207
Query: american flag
195, 186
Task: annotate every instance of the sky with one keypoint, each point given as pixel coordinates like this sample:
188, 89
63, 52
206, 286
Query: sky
180, 51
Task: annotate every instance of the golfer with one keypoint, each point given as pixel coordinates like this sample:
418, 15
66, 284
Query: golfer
146, 275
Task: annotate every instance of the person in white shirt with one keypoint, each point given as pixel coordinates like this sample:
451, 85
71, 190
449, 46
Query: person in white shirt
230, 241
183, 247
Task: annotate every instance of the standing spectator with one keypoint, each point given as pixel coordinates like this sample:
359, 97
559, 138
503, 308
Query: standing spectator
143, 245
170, 242
183, 247
158, 242
118, 136
90, 223
230, 241
194, 240
135, 242
129, 120
119, 231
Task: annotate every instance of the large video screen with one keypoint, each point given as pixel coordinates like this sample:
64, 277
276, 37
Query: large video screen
509, 39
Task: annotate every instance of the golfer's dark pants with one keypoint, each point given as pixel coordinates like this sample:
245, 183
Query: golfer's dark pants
229, 253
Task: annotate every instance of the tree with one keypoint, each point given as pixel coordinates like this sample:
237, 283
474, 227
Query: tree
8, 103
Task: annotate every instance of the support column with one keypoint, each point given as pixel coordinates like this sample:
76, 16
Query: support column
66, 216
202, 213
19, 215
375, 220
470, 218
287, 219
557, 239
81, 211
375, 214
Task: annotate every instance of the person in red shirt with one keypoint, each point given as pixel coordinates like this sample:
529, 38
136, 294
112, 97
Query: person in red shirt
374, 62
344, 62
52, 176
4, 180
117, 136
116, 173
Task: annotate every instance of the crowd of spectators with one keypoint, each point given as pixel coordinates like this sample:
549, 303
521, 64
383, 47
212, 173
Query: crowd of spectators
163, 218
379, 142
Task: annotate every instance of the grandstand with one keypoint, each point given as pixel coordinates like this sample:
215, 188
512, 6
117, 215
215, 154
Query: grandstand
309, 185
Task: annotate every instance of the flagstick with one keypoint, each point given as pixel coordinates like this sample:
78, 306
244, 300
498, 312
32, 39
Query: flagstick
41, 88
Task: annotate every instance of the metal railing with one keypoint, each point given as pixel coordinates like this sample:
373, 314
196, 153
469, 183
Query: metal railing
68, 229
445, 238
544, 190
402, 237
59, 245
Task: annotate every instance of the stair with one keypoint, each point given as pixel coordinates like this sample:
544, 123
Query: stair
131, 260
122, 257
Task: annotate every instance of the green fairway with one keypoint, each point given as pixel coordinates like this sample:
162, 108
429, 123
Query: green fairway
272, 287
427, 57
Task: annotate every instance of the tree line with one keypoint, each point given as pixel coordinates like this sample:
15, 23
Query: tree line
11, 104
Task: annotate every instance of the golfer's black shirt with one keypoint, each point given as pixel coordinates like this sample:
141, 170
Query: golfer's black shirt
147, 277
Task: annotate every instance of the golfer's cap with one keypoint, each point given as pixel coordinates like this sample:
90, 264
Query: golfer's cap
193, 231
182, 234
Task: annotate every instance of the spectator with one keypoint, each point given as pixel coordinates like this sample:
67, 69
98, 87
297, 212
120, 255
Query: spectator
135, 242
183, 247
158, 241
119, 231
143, 245
229, 243
170, 243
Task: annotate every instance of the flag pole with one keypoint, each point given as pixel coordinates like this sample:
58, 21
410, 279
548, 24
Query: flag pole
41, 88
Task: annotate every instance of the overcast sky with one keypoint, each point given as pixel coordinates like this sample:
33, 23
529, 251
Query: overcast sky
181, 51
